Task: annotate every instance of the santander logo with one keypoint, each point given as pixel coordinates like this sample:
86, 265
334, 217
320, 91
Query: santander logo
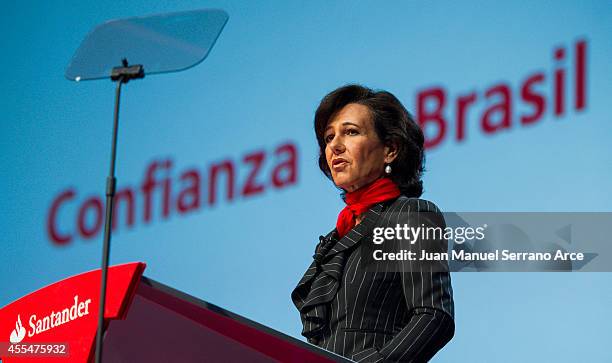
51, 320
18, 333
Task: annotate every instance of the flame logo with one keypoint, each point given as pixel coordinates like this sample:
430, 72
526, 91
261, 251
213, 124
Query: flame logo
18, 333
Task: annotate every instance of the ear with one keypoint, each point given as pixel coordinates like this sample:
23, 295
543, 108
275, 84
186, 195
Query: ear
391, 151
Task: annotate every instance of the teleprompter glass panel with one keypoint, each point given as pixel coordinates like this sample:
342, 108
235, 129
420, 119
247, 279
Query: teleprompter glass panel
160, 43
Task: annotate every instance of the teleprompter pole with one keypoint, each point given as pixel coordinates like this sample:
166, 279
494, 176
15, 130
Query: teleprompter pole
120, 75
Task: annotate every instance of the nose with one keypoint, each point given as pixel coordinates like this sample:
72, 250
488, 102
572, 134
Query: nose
336, 145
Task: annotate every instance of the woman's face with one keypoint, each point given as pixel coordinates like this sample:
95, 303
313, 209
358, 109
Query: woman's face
354, 153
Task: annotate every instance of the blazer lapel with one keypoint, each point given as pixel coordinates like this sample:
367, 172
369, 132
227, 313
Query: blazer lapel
358, 232
350, 239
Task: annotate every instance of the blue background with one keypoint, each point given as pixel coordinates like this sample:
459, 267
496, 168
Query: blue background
258, 88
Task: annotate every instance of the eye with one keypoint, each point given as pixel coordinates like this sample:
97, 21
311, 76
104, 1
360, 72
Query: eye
329, 138
352, 132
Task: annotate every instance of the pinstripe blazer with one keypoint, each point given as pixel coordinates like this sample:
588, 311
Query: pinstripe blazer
352, 305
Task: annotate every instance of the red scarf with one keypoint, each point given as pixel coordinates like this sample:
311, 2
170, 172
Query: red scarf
360, 201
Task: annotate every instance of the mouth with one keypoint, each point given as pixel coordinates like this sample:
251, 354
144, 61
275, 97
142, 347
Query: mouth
339, 163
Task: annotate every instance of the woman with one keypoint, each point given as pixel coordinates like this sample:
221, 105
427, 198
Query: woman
373, 151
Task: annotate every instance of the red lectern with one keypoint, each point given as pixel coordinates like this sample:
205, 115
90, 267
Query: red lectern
145, 322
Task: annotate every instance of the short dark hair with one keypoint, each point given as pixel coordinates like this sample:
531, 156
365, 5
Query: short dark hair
393, 124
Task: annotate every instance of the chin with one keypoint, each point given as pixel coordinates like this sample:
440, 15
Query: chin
342, 185
347, 187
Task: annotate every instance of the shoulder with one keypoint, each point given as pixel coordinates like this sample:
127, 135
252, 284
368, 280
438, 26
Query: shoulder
404, 204
414, 211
